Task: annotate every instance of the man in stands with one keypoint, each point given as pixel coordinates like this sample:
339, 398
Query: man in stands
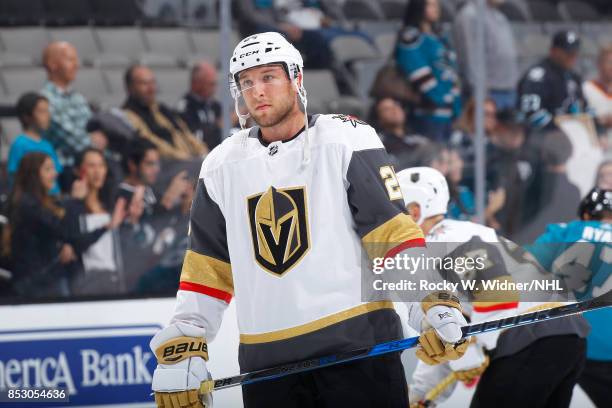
69, 109
156, 122
199, 108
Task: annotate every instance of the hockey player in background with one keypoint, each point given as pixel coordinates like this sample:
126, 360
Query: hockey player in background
513, 363
581, 252
282, 216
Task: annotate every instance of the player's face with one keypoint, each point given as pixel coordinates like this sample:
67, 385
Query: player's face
268, 94
47, 174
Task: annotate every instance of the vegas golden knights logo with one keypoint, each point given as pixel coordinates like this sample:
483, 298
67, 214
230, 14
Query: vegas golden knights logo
279, 228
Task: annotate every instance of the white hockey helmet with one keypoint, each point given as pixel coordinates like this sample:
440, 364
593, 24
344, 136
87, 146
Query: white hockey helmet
427, 187
262, 49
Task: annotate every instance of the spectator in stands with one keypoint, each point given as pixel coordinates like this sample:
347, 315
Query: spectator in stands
604, 175
389, 119
558, 196
199, 108
598, 93
501, 57
505, 171
40, 252
69, 109
89, 222
156, 122
427, 61
33, 113
462, 138
304, 23
551, 87
142, 166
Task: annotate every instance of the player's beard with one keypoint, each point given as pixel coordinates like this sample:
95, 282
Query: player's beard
269, 119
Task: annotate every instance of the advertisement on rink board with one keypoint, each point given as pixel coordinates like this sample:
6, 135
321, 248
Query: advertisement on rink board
97, 351
87, 362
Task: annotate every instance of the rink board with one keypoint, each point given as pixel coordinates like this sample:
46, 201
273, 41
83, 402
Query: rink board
101, 350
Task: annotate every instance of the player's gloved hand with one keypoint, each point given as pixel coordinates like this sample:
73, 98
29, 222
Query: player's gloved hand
473, 363
442, 342
181, 353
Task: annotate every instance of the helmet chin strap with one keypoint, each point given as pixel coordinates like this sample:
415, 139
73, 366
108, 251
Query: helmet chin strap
302, 94
242, 119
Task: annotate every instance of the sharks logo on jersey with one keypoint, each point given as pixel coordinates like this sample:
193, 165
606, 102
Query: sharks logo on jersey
279, 228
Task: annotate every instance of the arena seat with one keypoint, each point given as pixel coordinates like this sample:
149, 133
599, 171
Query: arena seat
577, 11
120, 45
28, 41
362, 10
22, 79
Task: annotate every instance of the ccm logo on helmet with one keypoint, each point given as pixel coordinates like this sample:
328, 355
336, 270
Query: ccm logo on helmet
246, 54
174, 352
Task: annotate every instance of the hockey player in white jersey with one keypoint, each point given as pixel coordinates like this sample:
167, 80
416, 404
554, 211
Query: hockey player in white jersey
280, 219
521, 366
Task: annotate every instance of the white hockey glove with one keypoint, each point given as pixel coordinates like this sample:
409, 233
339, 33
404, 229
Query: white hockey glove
442, 342
473, 363
181, 353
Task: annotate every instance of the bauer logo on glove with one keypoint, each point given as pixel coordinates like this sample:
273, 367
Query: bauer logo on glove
181, 348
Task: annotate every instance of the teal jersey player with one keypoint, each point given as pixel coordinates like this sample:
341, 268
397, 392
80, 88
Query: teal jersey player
581, 252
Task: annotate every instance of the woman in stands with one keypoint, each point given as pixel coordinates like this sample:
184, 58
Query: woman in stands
92, 217
430, 65
40, 250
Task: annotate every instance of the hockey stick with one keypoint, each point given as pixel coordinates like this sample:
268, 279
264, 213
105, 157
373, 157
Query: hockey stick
599, 302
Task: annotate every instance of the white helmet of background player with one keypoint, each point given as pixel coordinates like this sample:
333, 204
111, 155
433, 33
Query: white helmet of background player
427, 187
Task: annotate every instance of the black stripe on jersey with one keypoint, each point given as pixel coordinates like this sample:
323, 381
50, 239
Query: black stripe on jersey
421, 80
368, 196
208, 234
361, 331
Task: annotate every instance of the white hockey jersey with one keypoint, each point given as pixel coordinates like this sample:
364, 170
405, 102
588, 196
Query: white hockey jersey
462, 238
287, 240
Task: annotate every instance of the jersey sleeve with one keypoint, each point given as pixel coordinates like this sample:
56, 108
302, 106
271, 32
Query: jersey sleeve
545, 247
414, 64
533, 97
376, 201
206, 284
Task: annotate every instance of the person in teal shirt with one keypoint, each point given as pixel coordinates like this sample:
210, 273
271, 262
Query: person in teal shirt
34, 115
581, 252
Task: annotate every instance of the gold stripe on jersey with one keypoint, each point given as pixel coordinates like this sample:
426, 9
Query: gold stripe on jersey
207, 271
315, 325
543, 306
392, 233
487, 299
